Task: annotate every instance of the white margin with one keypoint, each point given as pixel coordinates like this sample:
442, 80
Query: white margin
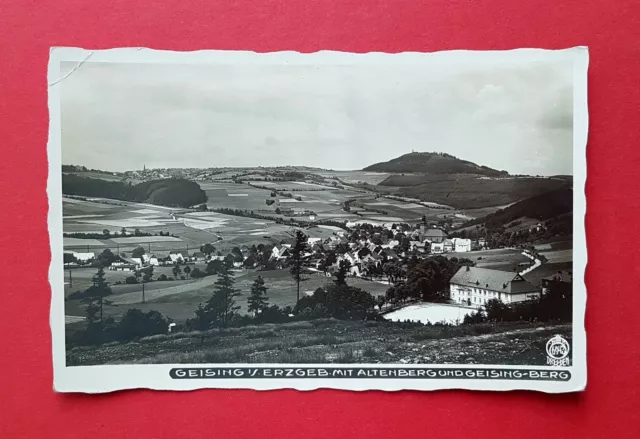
100, 379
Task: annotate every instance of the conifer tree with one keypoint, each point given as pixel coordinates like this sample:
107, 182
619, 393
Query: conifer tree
221, 307
258, 299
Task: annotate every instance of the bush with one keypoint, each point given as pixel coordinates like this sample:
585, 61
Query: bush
197, 273
136, 324
131, 280
182, 278
274, 314
162, 277
338, 301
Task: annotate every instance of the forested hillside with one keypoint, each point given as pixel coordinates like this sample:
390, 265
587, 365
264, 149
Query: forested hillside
542, 207
167, 192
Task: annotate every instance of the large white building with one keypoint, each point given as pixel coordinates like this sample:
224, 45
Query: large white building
476, 286
461, 245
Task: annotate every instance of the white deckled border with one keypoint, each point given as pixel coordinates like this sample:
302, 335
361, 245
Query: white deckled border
98, 379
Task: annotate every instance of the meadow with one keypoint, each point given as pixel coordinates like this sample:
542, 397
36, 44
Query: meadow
327, 341
179, 299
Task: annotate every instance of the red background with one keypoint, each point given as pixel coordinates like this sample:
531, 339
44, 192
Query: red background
609, 407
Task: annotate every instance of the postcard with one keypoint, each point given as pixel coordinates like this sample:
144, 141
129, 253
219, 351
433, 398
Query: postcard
230, 219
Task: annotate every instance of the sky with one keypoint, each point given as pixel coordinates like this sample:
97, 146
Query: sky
513, 116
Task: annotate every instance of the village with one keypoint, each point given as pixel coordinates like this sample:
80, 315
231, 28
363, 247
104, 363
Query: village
377, 253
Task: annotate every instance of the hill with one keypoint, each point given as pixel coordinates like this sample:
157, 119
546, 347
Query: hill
543, 207
471, 192
444, 179
433, 163
166, 192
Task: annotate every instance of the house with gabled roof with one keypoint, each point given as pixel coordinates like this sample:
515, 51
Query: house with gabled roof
475, 286
433, 235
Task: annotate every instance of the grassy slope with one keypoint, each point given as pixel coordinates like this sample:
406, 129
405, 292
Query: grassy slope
180, 299
471, 192
332, 341
540, 207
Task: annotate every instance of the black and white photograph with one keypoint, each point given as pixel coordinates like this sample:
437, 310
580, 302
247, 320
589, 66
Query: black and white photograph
324, 220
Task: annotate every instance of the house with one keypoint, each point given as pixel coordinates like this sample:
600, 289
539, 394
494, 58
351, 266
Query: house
126, 264
416, 246
461, 245
198, 256
280, 253
250, 262
122, 266
313, 241
562, 281
162, 258
447, 245
475, 286
154, 261
437, 248
175, 257
363, 252
432, 235
84, 257
347, 257
392, 243
389, 254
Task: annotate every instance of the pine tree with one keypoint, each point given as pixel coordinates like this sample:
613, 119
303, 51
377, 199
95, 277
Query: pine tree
176, 270
298, 260
221, 307
95, 295
343, 270
258, 299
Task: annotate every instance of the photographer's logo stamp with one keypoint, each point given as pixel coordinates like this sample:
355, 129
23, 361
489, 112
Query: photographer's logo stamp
558, 351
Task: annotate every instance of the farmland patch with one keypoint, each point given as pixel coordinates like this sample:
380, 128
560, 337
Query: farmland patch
78, 242
136, 239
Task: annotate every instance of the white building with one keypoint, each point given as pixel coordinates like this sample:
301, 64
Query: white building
84, 257
476, 286
461, 245
437, 247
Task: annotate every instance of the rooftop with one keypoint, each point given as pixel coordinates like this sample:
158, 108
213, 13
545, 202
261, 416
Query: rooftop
433, 233
494, 280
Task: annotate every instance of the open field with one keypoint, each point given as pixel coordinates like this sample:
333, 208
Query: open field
179, 299
355, 177
430, 313
492, 258
331, 341
191, 230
